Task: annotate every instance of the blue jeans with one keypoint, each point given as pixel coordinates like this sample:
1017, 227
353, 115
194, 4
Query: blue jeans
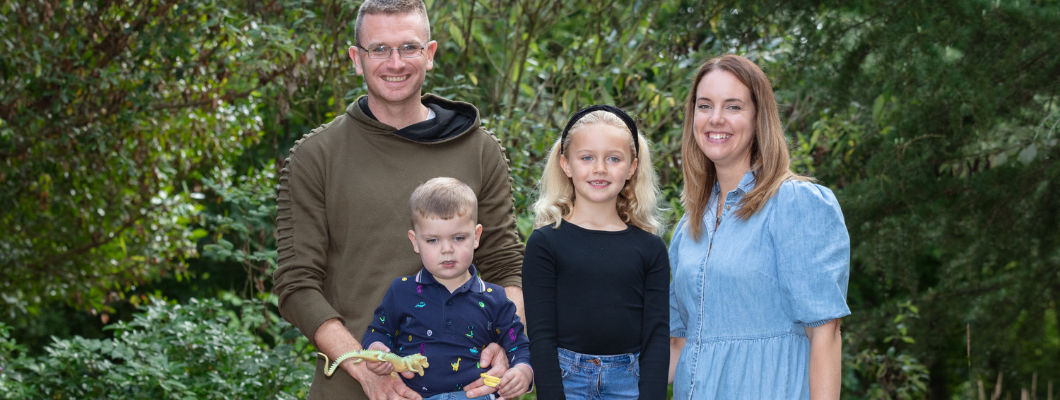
589, 377
461, 395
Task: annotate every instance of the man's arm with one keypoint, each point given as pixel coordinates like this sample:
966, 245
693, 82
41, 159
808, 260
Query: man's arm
302, 257
500, 254
515, 294
334, 340
302, 238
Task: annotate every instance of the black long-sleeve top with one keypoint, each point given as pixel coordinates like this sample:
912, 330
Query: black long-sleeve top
600, 293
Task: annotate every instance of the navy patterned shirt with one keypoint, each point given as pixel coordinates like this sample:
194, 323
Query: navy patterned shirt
419, 315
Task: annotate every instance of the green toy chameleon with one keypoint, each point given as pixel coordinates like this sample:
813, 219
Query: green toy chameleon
415, 363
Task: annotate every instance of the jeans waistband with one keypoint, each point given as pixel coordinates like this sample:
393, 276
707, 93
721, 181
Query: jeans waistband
576, 358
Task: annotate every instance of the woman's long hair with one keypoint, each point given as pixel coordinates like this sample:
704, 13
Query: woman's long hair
637, 200
769, 147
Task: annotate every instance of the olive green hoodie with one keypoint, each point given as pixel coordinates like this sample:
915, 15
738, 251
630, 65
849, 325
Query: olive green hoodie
343, 215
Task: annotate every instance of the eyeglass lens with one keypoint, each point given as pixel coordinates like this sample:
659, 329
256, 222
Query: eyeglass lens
406, 51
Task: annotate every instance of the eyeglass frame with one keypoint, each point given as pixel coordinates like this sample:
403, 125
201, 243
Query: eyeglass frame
391, 52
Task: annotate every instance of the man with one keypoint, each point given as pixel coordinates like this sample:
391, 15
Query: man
343, 195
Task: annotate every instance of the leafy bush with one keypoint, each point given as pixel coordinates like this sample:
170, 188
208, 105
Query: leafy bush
199, 350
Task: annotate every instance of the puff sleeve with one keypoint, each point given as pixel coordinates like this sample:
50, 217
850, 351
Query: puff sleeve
812, 249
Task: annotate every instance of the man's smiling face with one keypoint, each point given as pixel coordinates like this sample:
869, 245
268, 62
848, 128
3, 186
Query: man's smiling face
394, 81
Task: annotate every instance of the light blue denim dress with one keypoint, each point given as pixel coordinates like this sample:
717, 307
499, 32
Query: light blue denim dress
744, 304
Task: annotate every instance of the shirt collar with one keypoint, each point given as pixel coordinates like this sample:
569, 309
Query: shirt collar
474, 284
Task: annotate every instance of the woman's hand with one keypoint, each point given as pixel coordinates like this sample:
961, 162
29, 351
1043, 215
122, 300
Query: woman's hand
826, 360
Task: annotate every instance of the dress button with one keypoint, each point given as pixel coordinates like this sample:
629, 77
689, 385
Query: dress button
448, 322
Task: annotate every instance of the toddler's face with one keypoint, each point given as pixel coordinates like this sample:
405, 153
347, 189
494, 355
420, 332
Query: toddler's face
446, 247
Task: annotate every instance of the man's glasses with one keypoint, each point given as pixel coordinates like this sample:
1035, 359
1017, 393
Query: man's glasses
405, 50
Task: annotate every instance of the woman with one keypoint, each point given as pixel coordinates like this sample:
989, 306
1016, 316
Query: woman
758, 316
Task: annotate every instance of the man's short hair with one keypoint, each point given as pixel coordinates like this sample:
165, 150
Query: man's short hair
390, 7
443, 198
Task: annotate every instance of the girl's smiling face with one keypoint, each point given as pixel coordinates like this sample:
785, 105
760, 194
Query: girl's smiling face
598, 161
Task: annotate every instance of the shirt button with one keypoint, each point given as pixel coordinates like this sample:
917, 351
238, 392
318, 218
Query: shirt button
448, 322
449, 303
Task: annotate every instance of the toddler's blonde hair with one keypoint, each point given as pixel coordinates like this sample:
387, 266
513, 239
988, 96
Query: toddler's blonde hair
443, 198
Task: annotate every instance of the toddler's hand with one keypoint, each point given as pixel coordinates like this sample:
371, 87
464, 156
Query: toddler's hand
379, 367
515, 381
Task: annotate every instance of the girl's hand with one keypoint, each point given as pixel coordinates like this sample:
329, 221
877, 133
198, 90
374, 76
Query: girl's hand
379, 367
515, 381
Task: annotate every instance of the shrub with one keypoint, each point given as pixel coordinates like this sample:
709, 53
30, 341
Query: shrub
199, 350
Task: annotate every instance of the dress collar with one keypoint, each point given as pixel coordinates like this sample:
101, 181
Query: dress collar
747, 183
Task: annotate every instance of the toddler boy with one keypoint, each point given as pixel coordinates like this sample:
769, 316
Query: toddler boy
446, 312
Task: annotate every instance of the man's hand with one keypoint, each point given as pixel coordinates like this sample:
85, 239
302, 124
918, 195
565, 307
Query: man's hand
333, 338
493, 356
383, 387
515, 381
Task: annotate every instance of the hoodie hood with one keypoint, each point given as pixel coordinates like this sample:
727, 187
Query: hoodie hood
452, 119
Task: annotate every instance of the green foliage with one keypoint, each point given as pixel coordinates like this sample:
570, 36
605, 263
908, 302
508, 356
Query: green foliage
241, 229
889, 374
131, 133
946, 171
107, 111
200, 350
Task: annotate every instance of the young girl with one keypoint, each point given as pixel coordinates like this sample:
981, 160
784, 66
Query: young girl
595, 275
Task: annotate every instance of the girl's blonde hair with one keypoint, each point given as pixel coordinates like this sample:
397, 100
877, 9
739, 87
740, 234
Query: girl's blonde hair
637, 200
769, 148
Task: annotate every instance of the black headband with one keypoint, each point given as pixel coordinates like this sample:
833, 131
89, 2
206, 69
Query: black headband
603, 107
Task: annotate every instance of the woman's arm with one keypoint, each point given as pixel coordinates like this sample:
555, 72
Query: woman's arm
826, 360
676, 344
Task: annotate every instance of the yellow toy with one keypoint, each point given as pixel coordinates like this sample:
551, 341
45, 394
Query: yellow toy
491, 381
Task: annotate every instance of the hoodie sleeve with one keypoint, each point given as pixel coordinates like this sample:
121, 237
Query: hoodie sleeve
302, 238
500, 253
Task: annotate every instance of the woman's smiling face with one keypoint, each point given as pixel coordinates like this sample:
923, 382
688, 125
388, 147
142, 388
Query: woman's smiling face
724, 121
